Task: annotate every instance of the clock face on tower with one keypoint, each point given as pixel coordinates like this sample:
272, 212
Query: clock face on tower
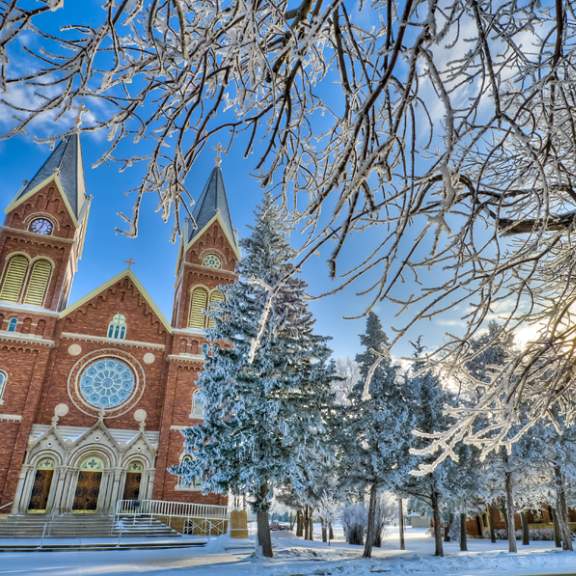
41, 226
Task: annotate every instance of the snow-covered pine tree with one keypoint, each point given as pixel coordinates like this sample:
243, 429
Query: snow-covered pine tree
262, 383
427, 401
376, 425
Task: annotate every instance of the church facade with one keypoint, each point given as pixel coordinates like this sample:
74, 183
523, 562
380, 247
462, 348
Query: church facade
94, 395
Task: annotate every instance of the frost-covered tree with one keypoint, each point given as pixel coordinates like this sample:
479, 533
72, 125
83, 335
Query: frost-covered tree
429, 401
376, 425
264, 404
449, 125
465, 487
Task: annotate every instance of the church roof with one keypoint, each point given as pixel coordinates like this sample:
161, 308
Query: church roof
212, 202
65, 161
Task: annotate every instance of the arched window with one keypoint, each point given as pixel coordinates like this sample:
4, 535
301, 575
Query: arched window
13, 278
198, 306
197, 405
38, 282
92, 464
3, 380
12, 324
117, 327
215, 298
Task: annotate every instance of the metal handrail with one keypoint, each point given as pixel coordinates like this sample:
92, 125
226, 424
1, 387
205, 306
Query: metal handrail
170, 509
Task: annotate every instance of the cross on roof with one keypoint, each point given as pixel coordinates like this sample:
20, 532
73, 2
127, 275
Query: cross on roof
218, 149
129, 263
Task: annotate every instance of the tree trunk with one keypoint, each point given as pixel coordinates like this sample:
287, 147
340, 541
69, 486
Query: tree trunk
262, 523
510, 523
264, 537
310, 524
491, 523
369, 542
463, 534
525, 529
557, 537
324, 532
330, 531
562, 510
401, 524
299, 523
448, 527
438, 544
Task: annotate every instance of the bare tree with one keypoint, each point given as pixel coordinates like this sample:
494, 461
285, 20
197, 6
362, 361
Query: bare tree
447, 125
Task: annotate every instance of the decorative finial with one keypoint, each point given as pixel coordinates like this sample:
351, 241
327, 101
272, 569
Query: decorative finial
218, 159
129, 263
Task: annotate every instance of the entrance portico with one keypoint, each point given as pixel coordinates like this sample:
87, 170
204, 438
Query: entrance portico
85, 471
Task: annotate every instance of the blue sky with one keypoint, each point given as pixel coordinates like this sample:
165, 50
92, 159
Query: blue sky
106, 250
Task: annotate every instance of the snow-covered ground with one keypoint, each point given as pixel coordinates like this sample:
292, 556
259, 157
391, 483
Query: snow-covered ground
294, 557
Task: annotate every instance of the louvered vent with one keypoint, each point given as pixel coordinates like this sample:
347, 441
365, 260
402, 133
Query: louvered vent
198, 305
14, 277
215, 298
38, 283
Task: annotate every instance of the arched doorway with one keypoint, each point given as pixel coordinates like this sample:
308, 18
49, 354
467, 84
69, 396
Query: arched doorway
133, 480
88, 485
41, 487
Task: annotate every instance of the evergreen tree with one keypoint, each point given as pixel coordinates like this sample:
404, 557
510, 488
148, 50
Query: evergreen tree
375, 433
428, 401
266, 382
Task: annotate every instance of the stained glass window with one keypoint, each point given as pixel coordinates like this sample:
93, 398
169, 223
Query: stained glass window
107, 383
212, 261
92, 464
3, 379
117, 327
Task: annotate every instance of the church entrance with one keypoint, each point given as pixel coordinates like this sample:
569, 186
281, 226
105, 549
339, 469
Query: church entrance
133, 479
41, 488
88, 485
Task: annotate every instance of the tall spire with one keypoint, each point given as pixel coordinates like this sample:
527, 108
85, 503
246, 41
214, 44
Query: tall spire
65, 162
212, 202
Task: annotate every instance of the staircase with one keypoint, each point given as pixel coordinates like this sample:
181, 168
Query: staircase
83, 526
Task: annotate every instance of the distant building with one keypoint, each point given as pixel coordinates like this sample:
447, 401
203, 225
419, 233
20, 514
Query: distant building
93, 395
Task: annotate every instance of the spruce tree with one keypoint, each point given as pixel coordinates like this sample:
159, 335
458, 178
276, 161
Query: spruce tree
376, 426
266, 383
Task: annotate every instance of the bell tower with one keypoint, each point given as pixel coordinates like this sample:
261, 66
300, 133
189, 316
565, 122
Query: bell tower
208, 256
43, 233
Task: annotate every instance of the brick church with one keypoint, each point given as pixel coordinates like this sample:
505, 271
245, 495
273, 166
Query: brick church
94, 395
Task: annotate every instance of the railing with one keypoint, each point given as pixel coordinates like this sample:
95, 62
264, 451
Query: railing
185, 517
170, 509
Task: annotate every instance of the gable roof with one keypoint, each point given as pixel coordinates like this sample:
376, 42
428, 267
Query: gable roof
124, 274
212, 202
65, 164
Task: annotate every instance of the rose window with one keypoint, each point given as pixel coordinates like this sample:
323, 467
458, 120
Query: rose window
212, 261
107, 383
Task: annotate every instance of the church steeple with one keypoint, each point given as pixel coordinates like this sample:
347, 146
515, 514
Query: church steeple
212, 204
208, 255
65, 167
43, 234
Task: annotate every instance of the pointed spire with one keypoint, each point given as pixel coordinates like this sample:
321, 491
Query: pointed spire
212, 201
65, 161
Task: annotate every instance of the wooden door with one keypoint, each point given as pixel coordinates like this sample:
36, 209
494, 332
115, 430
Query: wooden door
40, 491
132, 486
87, 490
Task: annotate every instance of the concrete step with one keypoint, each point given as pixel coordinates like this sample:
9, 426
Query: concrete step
70, 525
99, 546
